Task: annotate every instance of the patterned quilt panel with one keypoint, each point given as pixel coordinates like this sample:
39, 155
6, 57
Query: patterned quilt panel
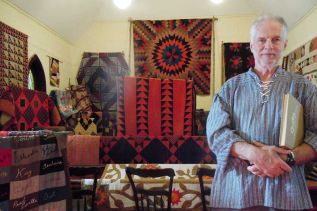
13, 57
237, 58
161, 149
174, 49
32, 173
151, 106
98, 72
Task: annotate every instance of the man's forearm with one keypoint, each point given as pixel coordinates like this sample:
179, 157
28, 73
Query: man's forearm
242, 150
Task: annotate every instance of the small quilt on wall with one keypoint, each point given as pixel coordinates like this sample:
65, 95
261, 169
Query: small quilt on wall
237, 59
13, 57
303, 60
174, 49
98, 72
54, 72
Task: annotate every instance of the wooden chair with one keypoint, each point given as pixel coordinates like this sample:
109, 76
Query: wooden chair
204, 191
82, 172
157, 192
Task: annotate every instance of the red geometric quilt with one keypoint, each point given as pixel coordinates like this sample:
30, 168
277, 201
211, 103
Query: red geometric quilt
174, 49
155, 149
31, 109
155, 107
13, 57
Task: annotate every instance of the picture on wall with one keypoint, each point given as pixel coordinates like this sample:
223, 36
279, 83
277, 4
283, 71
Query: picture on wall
54, 72
303, 60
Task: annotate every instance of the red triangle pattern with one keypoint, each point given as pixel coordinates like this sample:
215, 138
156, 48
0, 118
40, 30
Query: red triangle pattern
167, 107
120, 108
188, 117
142, 105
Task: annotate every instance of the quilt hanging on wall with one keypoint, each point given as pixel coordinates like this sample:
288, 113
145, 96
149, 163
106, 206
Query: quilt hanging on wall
98, 72
303, 60
13, 57
237, 59
174, 49
54, 72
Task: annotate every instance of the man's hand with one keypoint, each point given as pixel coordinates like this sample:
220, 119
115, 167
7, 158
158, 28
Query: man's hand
267, 160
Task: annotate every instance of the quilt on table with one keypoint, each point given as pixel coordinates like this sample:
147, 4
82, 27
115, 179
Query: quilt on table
155, 107
98, 72
28, 109
114, 189
237, 58
174, 49
13, 57
161, 149
32, 173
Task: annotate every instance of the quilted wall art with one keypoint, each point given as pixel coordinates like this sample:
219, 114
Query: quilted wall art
13, 57
98, 72
237, 59
303, 60
174, 49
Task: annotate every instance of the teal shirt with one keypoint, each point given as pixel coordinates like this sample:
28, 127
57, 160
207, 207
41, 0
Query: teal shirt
239, 112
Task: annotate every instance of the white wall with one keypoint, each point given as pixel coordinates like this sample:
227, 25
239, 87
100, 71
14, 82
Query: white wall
41, 41
304, 31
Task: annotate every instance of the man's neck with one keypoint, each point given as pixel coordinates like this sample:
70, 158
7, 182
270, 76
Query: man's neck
265, 74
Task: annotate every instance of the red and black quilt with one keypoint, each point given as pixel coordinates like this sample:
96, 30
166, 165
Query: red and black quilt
155, 107
174, 49
151, 149
238, 58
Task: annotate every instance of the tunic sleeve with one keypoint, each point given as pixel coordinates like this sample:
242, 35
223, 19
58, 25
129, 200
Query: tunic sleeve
220, 134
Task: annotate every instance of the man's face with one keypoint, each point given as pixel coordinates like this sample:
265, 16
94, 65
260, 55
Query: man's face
267, 44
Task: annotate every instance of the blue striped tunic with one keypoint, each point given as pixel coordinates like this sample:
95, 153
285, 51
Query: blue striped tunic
238, 113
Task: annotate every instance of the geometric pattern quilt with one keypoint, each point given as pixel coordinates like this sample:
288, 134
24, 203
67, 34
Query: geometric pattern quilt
13, 57
80, 98
31, 109
174, 49
32, 175
238, 58
303, 60
154, 107
92, 123
161, 149
98, 72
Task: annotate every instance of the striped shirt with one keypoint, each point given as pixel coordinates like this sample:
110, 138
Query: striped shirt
239, 112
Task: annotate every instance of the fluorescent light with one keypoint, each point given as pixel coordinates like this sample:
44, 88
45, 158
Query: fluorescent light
216, 1
122, 4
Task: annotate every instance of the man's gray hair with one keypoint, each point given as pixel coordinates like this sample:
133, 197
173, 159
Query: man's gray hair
269, 17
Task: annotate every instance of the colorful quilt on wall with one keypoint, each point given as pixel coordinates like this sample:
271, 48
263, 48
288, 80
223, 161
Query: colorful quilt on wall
237, 59
98, 72
155, 107
114, 189
174, 49
303, 60
32, 173
161, 149
13, 57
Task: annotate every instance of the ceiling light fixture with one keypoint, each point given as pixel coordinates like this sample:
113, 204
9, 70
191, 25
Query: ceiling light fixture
122, 4
217, 1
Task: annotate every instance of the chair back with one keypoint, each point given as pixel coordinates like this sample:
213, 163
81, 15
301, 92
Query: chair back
204, 191
81, 172
155, 192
